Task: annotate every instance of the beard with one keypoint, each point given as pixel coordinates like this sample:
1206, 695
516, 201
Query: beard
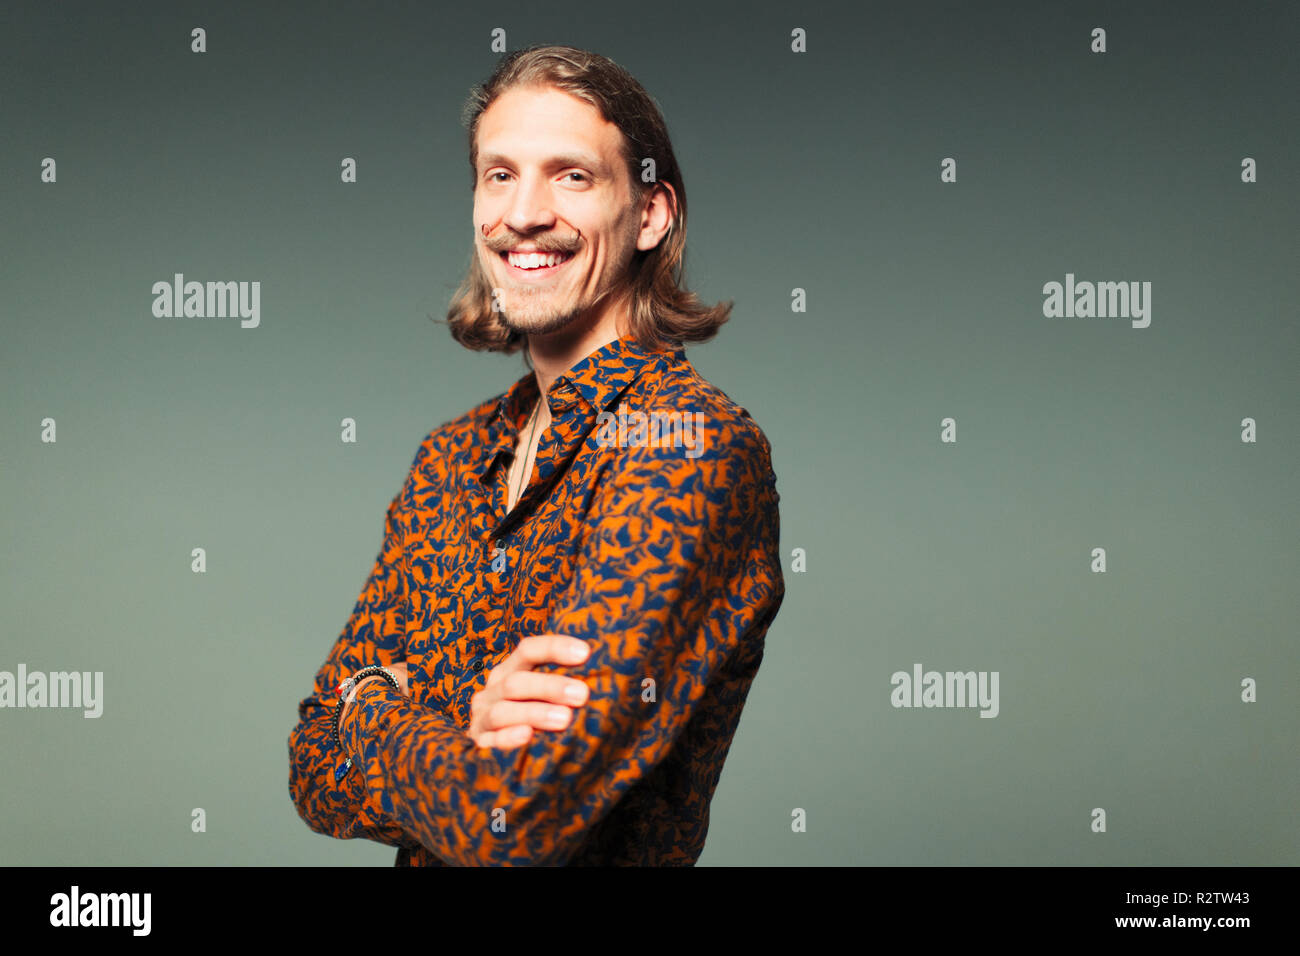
530, 313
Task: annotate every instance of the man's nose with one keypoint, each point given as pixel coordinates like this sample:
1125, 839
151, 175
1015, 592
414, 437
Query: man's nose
530, 207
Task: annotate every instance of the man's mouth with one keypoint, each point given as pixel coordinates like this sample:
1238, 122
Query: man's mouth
535, 263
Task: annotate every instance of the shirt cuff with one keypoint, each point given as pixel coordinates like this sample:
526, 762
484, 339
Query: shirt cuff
365, 714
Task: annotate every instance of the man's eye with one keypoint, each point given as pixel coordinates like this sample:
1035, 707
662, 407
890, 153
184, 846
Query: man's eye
492, 177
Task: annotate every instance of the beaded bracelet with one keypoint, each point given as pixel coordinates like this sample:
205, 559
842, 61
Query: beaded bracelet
343, 689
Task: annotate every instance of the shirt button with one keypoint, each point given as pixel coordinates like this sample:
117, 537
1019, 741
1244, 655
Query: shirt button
478, 665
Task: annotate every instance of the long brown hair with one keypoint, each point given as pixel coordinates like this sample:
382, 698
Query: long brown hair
662, 313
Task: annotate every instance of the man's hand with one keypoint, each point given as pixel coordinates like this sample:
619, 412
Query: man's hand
516, 699
399, 671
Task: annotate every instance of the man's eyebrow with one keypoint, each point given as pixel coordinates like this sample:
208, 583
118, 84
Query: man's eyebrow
585, 160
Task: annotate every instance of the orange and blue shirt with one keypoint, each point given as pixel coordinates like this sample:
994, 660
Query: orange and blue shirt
649, 529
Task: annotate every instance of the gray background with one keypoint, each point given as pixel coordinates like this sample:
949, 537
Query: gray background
818, 171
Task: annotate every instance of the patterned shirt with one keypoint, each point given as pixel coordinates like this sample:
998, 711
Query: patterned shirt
651, 536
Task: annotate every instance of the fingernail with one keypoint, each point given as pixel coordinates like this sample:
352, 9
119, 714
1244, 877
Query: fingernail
576, 693
578, 651
557, 716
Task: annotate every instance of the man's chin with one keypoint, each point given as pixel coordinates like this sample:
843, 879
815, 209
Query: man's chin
530, 324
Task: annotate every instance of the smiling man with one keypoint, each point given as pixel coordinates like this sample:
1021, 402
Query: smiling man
549, 659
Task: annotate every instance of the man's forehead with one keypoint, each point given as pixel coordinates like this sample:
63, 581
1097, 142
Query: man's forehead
564, 130
570, 157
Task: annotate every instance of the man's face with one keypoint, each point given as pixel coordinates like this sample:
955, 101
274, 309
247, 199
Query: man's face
550, 177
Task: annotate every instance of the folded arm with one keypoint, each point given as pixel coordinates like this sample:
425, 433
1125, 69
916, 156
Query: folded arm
681, 567
374, 634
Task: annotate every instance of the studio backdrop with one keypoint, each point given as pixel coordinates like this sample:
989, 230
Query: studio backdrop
1015, 299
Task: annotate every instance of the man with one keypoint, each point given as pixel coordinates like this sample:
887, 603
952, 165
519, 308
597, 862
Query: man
608, 527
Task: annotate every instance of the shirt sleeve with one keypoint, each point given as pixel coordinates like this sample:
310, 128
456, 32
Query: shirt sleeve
678, 575
374, 634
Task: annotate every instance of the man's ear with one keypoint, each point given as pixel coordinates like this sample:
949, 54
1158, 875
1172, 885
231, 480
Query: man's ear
657, 216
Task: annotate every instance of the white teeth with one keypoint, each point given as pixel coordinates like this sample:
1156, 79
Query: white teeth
536, 260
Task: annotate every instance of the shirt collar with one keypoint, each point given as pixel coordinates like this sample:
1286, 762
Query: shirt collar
597, 380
